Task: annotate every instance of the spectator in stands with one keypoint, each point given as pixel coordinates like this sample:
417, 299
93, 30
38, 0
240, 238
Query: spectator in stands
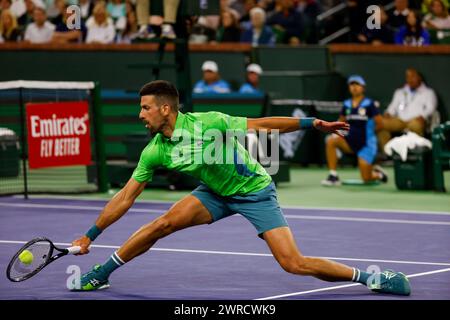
41, 30
412, 34
8, 26
117, 12
131, 31
252, 84
229, 30
410, 109
203, 29
5, 5
438, 18
170, 18
398, 17
211, 82
259, 33
309, 9
86, 6
287, 22
60, 6
244, 19
426, 6
100, 27
385, 34
27, 17
65, 33
364, 118
18, 8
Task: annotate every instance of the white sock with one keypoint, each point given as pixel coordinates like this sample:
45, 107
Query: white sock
333, 173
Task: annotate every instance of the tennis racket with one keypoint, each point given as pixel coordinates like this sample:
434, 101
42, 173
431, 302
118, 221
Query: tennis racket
44, 252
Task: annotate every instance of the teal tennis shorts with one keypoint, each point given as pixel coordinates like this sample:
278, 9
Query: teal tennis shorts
260, 208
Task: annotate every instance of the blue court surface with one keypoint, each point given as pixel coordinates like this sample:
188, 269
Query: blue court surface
227, 260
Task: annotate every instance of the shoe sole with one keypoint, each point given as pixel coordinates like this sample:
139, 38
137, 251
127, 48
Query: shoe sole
102, 287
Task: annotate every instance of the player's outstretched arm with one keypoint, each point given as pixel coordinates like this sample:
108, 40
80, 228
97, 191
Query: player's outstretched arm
289, 124
113, 211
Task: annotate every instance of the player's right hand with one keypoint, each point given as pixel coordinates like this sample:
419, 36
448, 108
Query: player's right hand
84, 242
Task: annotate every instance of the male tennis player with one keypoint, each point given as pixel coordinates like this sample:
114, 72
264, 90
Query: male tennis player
242, 186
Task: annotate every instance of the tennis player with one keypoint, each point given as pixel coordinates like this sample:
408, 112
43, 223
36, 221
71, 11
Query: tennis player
242, 187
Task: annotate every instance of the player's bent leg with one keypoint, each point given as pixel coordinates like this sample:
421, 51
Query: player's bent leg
282, 244
185, 213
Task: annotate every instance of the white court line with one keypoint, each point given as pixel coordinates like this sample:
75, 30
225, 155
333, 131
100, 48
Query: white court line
290, 216
245, 253
61, 206
344, 286
283, 207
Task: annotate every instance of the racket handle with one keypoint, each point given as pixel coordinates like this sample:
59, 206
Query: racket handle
73, 250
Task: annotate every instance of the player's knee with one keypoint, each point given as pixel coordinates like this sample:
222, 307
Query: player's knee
295, 265
163, 227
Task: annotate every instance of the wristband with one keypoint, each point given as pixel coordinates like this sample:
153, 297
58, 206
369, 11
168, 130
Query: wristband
306, 123
93, 232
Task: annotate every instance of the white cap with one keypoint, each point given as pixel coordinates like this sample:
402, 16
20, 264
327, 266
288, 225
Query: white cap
210, 66
254, 68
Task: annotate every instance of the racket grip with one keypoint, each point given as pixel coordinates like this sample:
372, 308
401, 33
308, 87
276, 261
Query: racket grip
74, 250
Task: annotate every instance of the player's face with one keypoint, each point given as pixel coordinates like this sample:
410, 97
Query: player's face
153, 115
356, 89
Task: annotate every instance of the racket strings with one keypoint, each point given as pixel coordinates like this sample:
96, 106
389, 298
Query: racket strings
40, 250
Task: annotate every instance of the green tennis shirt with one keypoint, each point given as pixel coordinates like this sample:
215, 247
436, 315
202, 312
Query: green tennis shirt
206, 146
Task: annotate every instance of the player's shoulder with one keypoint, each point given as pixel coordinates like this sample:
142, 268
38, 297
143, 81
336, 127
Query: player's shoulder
347, 103
151, 150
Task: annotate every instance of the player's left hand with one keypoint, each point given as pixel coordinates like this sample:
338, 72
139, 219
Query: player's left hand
337, 127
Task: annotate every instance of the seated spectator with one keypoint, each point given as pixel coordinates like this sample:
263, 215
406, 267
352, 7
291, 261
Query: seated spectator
65, 33
252, 84
309, 9
229, 30
211, 82
438, 18
17, 7
203, 29
131, 31
426, 6
364, 118
385, 34
259, 33
100, 27
398, 17
412, 34
27, 17
411, 107
6, 5
59, 6
39, 31
287, 21
244, 19
86, 6
117, 12
8, 26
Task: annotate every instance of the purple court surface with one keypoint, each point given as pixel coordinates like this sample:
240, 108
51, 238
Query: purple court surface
226, 260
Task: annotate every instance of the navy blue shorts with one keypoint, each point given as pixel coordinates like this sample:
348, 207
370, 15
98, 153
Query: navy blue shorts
260, 208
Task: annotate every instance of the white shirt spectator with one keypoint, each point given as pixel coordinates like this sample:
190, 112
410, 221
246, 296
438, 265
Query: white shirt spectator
18, 7
438, 22
97, 33
36, 34
408, 104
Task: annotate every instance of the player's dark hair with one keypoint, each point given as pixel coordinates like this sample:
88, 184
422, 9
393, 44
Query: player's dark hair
164, 92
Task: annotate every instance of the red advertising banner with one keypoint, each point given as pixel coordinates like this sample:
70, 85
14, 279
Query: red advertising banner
58, 134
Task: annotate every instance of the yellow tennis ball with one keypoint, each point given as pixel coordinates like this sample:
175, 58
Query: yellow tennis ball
26, 257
